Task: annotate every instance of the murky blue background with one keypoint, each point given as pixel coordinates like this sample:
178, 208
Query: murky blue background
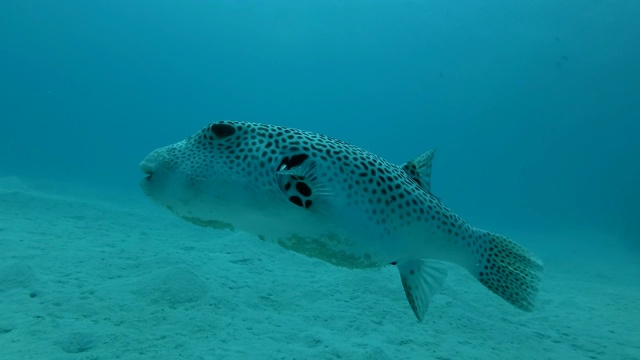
533, 106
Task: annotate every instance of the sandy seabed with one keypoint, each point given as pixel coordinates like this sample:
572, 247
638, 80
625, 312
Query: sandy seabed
88, 275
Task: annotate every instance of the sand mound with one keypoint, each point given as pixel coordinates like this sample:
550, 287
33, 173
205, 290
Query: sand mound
172, 287
17, 275
11, 184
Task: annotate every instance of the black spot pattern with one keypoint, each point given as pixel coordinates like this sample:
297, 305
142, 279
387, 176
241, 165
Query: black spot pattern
413, 173
385, 193
303, 189
508, 269
298, 192
296, 200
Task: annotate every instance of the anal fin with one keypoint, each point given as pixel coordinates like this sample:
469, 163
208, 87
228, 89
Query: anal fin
421, 280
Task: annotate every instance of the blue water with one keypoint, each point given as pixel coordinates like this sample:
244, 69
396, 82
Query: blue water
533, 106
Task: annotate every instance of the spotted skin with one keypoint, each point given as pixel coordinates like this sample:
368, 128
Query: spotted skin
330, 200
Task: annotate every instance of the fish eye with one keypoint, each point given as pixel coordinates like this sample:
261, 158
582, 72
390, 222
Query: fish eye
223, 130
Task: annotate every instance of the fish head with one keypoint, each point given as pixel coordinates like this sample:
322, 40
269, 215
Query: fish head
207, 173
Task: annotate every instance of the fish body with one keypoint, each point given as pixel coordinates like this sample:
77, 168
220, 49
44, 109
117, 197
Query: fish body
330, 200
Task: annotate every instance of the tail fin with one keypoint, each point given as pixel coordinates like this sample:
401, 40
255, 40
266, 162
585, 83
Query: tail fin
508, 270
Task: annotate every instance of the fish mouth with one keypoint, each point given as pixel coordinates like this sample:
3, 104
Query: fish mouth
147, 170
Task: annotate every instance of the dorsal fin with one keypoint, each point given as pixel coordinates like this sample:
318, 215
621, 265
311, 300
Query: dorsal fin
419, 169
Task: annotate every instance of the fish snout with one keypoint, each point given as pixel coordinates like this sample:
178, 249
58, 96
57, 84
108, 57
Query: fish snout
152, 163
147, 169
157, 171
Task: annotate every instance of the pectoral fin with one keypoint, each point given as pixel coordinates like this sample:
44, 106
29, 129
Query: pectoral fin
300, 184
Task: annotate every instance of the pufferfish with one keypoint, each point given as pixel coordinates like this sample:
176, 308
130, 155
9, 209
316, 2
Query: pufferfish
333, 201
